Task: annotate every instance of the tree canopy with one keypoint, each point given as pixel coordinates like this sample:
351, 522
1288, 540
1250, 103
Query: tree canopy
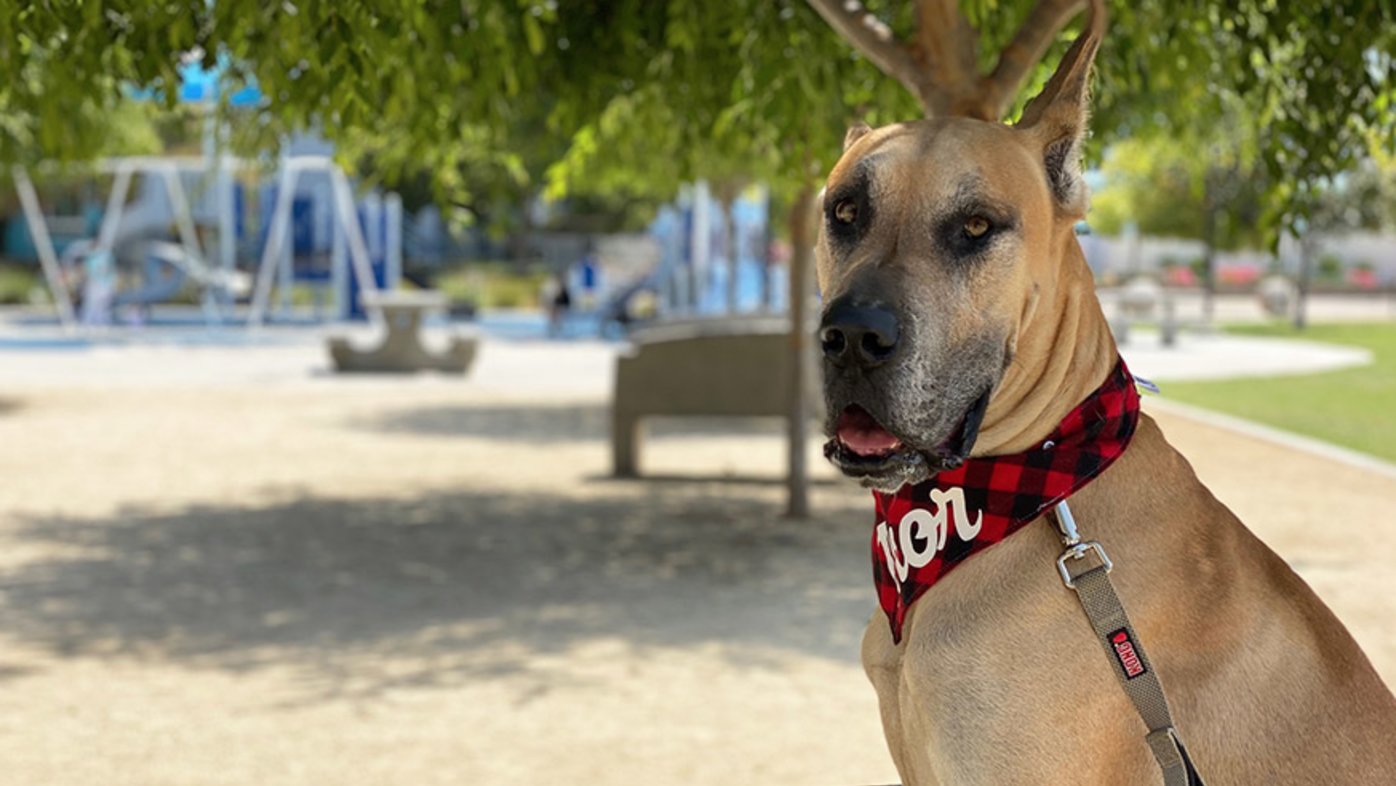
1210, 187
635, 93
1310, 84
640, 94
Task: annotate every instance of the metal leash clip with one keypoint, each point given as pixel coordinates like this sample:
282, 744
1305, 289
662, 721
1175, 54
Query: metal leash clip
1075, 548
1077, 551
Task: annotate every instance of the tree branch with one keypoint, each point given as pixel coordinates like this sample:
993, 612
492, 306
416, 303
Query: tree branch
1026, 50
874, 39
948, 45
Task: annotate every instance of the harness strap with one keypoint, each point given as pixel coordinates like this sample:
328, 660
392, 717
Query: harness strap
1085, 568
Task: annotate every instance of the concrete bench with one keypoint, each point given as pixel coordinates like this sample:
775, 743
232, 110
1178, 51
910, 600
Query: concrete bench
1277, 296
400, 350
1144, 301
722, 367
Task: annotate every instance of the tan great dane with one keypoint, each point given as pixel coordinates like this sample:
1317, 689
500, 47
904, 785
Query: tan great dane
950, 243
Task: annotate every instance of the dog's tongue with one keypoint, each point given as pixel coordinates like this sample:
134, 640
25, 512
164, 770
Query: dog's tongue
860, 433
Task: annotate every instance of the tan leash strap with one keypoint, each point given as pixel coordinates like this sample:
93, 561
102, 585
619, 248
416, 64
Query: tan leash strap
1090, 578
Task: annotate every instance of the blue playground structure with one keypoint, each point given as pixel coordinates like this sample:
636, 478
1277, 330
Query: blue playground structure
148, 246
694, 276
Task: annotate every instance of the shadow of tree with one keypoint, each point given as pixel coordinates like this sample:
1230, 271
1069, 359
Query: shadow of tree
725, 479
361, 596
529, 424
549, 424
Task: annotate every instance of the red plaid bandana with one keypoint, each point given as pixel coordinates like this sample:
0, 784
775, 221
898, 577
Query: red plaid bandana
924, 531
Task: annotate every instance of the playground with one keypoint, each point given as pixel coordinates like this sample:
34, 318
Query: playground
313, 579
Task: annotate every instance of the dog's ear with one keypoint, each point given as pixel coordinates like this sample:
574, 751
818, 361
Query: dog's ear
855, 132
1057, 116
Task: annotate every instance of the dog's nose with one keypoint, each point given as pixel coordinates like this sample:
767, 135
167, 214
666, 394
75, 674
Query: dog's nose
859, 334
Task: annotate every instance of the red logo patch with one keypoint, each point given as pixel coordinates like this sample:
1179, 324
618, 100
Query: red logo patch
1123, 647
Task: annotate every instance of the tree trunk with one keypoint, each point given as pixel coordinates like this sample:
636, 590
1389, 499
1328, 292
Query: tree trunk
1209, 252
1306, 274
700, 251
523, 234
767, 236
802, 361
729, 249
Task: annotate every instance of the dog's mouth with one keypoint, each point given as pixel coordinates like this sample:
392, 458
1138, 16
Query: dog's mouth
863, 448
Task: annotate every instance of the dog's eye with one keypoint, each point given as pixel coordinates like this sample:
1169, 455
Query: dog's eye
846, 211
977, 227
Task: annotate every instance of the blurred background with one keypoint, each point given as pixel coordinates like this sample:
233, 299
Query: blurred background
421, 391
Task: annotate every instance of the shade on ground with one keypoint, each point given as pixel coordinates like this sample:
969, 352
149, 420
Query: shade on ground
430, 581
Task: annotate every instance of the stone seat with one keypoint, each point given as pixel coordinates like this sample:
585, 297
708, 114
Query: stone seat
400, 349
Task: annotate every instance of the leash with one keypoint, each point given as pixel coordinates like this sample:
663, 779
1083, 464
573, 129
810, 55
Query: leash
1090, 579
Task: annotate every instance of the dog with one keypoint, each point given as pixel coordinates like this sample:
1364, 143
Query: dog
960, 321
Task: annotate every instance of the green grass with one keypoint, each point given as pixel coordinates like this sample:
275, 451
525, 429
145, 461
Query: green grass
492, 285
1355, 408
16, 282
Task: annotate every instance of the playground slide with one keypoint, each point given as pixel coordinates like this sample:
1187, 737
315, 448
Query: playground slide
235, 282
167, 267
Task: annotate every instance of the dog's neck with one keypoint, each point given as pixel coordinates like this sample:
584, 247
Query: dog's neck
1064, 351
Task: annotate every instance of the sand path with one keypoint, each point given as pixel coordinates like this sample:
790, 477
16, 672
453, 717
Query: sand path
431, 582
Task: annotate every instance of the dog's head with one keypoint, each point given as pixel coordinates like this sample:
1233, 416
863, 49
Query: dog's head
937, 238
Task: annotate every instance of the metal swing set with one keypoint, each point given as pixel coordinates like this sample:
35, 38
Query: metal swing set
221, 283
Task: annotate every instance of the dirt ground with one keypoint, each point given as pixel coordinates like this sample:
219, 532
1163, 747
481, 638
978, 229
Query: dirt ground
432, 582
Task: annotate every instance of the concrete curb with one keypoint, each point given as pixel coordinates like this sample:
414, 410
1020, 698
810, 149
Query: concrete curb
1280, 437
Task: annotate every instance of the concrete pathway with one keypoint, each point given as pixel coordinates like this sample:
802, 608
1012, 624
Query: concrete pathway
1222, 356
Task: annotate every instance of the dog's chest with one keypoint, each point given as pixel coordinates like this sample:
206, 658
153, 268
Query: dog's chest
977, 676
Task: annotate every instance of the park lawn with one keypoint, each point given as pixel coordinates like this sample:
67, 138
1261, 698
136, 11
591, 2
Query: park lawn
492, 285
16, 283
1355, 408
